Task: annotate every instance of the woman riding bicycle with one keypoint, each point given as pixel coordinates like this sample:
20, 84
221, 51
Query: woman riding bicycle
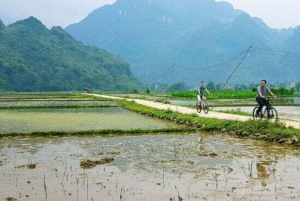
262, 90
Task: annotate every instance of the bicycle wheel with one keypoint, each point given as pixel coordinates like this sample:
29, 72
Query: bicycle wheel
271, 114
198, 107
205, 107
255, 116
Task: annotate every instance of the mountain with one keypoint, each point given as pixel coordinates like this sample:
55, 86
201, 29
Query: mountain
172, 41
34, 58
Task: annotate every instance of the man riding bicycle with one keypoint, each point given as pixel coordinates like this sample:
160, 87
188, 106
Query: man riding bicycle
201, 90
262, 90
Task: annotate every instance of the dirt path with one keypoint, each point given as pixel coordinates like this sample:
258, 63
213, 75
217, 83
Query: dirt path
186, 110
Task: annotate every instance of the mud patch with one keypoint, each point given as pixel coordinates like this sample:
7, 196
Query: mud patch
88, 164
28, 166
10, 199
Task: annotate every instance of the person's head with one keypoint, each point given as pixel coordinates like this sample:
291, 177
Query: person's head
202, 83
263, 83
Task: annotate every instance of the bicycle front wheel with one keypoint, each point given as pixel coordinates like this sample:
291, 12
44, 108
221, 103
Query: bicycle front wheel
205, 107
271, 114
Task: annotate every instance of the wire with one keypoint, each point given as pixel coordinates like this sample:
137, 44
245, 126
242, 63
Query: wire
295, 53
274, 52
231, 59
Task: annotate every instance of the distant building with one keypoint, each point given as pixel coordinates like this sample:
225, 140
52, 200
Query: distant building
293, 85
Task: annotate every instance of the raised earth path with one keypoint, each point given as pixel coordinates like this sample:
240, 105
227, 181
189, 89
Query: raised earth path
186, 110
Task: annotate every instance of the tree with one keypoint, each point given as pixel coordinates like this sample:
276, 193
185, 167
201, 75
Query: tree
210, 85
179, 86
297, 87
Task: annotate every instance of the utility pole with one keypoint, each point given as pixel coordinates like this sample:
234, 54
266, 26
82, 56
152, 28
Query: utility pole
237, 66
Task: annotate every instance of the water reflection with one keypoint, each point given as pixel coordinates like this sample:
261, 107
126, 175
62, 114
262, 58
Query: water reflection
216, 167
34, 120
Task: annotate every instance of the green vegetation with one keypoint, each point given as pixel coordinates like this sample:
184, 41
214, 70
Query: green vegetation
237, 111
216, 94
281, 91
105, 132
34, 58
234, 94
263, 129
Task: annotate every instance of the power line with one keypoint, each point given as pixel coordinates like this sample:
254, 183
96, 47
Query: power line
274, 52
158, 76
216, 65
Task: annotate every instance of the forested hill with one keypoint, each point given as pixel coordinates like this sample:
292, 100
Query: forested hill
205, 40
34, 58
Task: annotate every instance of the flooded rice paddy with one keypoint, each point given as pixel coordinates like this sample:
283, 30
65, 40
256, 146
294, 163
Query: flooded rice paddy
151, 167
79, 119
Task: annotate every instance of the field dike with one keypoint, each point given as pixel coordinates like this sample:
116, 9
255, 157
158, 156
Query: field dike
261, 130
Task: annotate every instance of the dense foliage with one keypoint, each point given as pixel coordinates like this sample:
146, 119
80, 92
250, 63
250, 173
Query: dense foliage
34, 58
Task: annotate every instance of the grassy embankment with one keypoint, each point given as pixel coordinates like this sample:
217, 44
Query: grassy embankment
263, 129
103, 132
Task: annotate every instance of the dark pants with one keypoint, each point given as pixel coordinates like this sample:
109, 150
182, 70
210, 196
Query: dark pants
261, 102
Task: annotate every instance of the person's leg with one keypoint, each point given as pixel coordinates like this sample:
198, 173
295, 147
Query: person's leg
261, 104
199, 98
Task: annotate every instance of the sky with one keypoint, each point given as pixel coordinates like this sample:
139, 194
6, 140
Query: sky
275, 13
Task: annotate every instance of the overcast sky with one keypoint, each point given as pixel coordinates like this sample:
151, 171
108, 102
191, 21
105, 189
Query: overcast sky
275, 13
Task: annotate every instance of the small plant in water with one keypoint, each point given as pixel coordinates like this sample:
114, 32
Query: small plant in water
45, 188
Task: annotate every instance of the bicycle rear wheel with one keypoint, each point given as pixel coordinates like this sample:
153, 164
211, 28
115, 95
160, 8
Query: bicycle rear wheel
205, 107
255, 115
271, 114
198, 107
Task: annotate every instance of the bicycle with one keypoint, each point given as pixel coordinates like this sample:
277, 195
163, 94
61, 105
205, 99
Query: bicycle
202, 105
270, 112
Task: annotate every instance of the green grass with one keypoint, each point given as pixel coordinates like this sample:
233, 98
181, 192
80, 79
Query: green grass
104, 132
216, 94
238, 112
261, 129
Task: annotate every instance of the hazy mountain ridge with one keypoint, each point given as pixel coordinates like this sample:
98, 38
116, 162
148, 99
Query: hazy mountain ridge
34, 58
203, 38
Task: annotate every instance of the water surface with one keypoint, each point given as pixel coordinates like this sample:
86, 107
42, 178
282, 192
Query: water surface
152, 167
30, 120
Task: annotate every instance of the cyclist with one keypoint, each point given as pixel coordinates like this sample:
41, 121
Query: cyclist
201, 90
262, 90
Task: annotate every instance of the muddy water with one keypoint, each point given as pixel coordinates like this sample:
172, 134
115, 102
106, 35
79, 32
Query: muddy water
158, 167
29, 120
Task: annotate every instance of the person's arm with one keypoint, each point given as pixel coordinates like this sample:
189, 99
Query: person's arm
207, 91
272, 94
